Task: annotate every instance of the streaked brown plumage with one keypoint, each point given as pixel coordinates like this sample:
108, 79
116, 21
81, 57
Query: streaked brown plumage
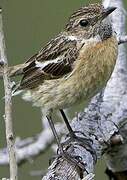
60, 47
74, 65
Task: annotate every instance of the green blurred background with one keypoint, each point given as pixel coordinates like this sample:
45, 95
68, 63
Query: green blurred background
28, 25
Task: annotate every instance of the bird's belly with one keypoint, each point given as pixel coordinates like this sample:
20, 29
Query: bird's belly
52, 94
56, 94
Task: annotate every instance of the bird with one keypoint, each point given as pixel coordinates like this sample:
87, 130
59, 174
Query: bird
74, 66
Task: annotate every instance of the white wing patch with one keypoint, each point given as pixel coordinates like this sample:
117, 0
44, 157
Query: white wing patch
45, 63
72, 38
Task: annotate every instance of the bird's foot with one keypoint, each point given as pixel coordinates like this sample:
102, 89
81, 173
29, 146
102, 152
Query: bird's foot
81, 140
74, 160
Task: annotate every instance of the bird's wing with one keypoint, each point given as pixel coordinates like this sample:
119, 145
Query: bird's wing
53, 61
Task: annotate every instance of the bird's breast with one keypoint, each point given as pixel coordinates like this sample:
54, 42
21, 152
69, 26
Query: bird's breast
94, 67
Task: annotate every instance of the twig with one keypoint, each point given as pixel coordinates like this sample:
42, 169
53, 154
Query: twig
122, 39
8, 106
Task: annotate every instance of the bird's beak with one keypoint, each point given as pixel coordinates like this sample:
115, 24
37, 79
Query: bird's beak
107, 11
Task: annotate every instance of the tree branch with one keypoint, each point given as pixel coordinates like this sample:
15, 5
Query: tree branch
122, 39
8, 105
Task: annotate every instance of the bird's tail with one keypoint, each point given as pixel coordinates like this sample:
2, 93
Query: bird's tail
12, 72
16, 90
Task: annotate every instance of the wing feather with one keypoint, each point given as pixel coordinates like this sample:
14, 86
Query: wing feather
53, 61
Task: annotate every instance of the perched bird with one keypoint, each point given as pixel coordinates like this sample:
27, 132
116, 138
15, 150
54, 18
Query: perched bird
74, 65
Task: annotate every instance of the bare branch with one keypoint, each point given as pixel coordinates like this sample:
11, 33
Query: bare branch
122, 39
8, 106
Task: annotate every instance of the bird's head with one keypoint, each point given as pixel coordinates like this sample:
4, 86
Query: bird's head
90, 21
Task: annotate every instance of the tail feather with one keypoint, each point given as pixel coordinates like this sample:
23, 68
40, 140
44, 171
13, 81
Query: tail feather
16, 90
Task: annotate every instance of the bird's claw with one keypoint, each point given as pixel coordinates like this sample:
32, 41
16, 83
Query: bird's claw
74, 160
85, 142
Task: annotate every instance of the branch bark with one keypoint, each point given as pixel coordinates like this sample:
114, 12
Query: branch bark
122, 39
8, 105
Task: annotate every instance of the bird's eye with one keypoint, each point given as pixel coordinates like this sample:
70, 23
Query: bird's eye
83, 23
